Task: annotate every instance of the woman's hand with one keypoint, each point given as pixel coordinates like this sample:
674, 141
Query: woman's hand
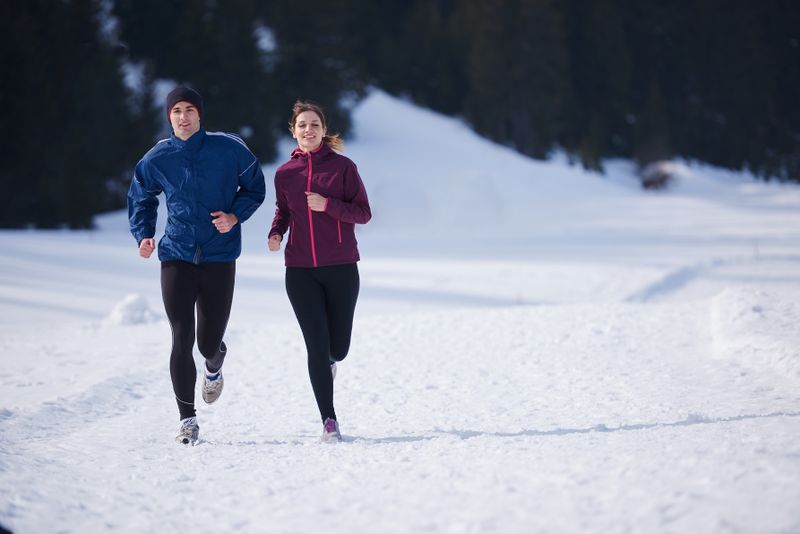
146, 247
315, 201
274, 242
224, 221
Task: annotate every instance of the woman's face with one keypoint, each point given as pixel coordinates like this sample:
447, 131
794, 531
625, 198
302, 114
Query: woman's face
308, 131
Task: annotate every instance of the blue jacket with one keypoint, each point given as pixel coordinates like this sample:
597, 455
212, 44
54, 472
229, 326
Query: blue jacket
209, 172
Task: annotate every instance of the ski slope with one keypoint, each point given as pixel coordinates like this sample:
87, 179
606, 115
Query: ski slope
536, 349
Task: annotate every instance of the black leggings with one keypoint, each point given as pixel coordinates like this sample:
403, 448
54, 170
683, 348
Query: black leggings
210, 287
324, 301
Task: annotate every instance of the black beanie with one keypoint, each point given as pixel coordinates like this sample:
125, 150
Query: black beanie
184, 94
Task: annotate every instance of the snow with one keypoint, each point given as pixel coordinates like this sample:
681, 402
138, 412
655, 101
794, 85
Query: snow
133, 309
536, 348
756, 327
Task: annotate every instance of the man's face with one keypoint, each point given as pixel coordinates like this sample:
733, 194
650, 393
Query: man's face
185, 120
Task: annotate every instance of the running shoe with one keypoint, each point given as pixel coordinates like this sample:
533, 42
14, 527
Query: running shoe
330, 431
212, 385
188, 432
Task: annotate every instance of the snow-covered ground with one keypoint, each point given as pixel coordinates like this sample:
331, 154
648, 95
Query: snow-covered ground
536, 349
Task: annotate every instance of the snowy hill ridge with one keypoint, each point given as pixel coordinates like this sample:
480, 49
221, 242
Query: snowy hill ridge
536, 349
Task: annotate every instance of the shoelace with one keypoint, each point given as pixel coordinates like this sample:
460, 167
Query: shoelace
211, 384
189, 428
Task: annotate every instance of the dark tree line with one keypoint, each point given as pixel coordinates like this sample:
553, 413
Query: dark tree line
708, 80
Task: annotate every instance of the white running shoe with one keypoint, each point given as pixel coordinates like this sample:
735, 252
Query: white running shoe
189, 431
330, 431
212, 385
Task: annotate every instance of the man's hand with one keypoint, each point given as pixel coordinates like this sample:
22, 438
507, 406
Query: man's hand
146, 247
224, 221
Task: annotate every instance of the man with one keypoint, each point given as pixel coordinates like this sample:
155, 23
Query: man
212, 183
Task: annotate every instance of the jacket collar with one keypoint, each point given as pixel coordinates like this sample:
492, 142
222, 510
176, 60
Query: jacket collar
321, 151
193, 142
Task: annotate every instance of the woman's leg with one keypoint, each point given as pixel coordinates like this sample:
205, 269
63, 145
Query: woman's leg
307, 297
341, 291
179, 291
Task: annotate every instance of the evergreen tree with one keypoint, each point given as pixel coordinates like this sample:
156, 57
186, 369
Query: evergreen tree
742, 57
713, 83
517, 71
319, 57
781, 30
599, 103
211, 46
65, 114
423, 55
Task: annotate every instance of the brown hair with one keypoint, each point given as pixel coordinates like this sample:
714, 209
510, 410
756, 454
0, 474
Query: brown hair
300, 106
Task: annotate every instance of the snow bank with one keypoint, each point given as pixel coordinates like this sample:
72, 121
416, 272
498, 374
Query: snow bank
758, 328
133, 309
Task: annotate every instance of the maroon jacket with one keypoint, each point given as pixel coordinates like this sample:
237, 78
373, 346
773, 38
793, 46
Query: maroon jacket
317, 239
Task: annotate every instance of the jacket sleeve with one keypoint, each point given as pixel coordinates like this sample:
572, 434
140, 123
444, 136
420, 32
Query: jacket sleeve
143, 203
251, 187
280, 223
354, 207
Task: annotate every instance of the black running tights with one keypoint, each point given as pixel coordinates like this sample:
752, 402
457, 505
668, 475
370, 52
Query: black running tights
209, 287
324, 301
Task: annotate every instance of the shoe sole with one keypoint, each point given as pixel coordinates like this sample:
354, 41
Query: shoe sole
185, 440
208, 400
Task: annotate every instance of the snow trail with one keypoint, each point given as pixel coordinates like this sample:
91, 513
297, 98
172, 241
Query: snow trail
578, 405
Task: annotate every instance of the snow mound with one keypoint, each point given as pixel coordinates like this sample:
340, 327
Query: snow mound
133, 309
757, 328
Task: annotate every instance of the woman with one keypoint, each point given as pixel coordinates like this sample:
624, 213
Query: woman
320, 198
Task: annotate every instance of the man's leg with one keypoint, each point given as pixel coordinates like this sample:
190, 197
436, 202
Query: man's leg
214, 300
179, 291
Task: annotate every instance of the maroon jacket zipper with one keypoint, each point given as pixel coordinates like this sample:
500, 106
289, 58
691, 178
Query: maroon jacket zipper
311, 217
